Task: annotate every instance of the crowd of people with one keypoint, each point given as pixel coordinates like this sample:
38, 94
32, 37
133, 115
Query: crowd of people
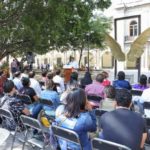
71, 109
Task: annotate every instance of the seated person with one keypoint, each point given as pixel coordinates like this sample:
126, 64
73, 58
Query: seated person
86, 80
60, 81
50, 75
109, 100
70, 86
142, 86
17, 80
76, 115
3, 78
50, 94
122, 125
121, 82
106, 81
44, 76
16, 106
96, 88
27, 90
74, 76
143, 83
34, 83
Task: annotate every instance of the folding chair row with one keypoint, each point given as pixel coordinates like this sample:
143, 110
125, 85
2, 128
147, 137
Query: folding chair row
99, 113
59, 132
97, 144
6, 114
27, 122
135, 92
31, 123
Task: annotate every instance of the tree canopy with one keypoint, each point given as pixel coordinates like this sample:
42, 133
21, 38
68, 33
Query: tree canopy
42, 25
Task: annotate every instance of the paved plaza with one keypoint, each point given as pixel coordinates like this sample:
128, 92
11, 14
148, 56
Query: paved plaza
17, 145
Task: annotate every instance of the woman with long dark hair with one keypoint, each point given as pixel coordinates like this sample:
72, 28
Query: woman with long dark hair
142, 85
76, 115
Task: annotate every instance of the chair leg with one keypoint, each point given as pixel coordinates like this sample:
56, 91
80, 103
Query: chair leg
13, 140
25, 139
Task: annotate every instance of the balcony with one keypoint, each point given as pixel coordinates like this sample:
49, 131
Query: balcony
129, 39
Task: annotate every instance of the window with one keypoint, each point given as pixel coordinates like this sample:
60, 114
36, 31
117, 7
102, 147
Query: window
133, 28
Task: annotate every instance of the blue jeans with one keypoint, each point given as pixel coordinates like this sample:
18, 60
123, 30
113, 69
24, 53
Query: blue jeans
35, 108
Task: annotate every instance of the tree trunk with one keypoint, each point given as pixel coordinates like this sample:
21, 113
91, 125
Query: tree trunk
81, 53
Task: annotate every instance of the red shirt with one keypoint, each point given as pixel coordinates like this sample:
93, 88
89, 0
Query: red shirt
106, 82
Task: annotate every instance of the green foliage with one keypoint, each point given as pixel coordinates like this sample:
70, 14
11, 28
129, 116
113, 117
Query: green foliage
42, 25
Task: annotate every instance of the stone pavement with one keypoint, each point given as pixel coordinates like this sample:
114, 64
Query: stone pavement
18, 146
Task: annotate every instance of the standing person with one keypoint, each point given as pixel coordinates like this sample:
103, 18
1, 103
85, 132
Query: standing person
121, 82
76, 115
34, 83
73, 63
59, 80
14, 66
122, 125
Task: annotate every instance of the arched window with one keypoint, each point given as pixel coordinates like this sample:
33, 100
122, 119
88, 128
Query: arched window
133, 28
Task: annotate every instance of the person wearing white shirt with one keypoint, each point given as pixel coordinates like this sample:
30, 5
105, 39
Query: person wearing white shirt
17, 81
73, 63
34, 83
145, 97
58, 79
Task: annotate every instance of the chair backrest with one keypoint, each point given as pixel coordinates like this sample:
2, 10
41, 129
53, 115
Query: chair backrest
99, 144
6, 114
146, 105
94, 98
24, 98
100, 112
46, 102
31, 122
147, 120
66, 134
136, 92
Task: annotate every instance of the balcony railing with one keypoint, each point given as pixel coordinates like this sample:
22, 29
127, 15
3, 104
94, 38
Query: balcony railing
128, 38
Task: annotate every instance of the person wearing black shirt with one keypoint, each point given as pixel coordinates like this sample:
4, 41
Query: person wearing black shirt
122, 125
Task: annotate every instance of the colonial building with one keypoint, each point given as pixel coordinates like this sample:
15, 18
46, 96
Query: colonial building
130, 18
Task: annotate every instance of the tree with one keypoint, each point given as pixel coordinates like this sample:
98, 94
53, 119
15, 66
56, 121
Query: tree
42, 25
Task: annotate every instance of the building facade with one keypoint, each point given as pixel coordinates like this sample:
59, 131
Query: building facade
132, 18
